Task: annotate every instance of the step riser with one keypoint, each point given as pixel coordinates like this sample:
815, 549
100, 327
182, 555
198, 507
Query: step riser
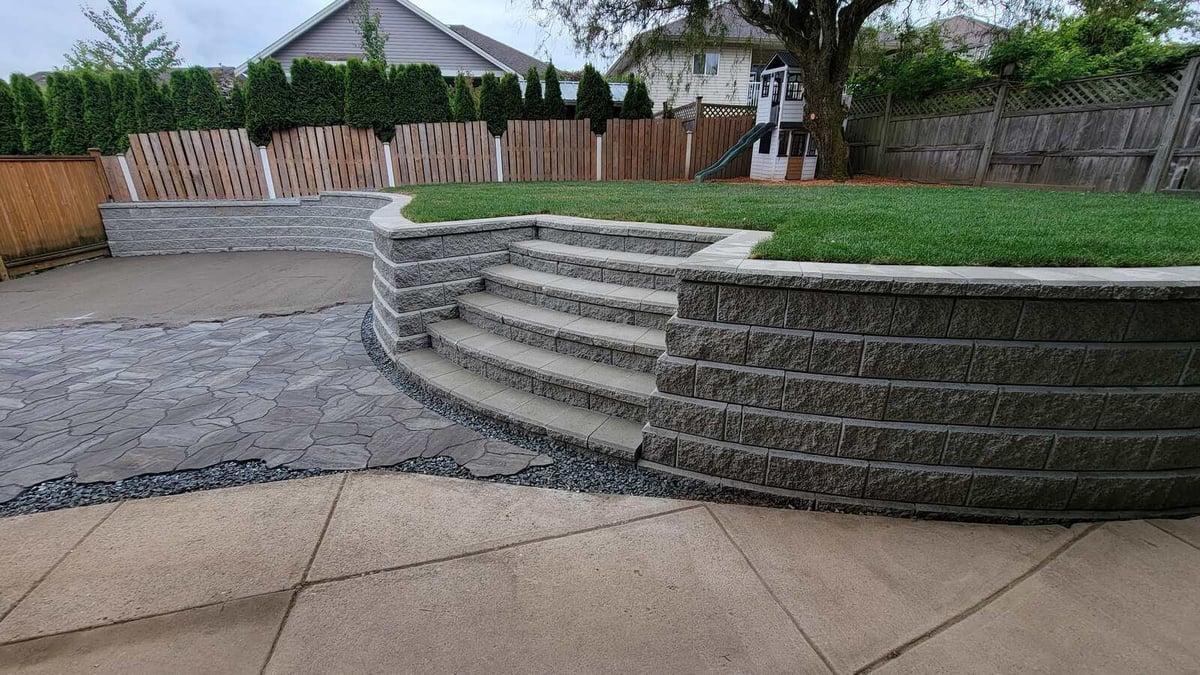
581, 269
537, 383
561, 344
585, 309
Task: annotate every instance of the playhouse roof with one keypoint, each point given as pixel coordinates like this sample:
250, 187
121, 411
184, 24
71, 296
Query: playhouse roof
781, 60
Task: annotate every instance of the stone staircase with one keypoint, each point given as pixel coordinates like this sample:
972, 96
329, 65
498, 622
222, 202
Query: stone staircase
562, 342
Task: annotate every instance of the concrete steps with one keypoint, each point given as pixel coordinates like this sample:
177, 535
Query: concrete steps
561, 422
619, 344
594, 264
568, 379
618, 303
563, 341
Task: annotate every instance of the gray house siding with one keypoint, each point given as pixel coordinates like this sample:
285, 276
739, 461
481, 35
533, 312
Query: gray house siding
413, 40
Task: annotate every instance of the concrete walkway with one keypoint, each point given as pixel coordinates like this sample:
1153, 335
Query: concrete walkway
387, 572
178, 289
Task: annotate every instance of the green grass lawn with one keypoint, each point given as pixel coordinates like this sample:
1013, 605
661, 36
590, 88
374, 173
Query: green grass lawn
896, 225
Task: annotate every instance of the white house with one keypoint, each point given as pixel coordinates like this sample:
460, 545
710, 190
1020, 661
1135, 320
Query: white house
728, 71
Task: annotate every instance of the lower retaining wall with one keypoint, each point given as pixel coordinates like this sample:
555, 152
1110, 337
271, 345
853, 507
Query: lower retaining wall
1001, 393
335, 222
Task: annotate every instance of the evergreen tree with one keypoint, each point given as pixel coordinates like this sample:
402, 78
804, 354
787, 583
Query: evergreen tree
268, 100
64, 104
129, 41
10, 132
555, 108
405, 104
317, 90
595, 100
535, 107
510, 91
462, 105
153, 109
491, 104
99, 113
637, 104
433, 94
235, 107
204, 99
124, 99
179, 89
31, 116
367, 103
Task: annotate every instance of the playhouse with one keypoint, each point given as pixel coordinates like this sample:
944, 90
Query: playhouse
785, 152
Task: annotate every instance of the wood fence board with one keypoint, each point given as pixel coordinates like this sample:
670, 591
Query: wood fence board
50, 210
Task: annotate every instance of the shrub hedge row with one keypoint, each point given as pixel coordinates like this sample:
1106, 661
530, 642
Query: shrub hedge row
82, 109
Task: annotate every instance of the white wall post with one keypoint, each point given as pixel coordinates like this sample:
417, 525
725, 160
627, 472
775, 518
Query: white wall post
687, 157
599, 158
262, 154
128, 177
387, 158
499, 162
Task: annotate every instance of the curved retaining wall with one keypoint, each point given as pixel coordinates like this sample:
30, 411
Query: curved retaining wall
1010, 393
338, 222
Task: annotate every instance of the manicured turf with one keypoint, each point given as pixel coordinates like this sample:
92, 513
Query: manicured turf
851, 223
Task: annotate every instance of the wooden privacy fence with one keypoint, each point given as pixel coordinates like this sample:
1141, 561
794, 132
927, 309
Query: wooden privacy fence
1121, 133
49, 212
224, 164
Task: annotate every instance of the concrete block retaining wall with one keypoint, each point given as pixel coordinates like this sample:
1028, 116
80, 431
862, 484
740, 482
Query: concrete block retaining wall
335, 222
998, 393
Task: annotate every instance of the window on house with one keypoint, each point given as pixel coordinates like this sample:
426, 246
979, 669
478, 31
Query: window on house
766, 87
764, 145
706, 64
812, 148
794, 90
784, 142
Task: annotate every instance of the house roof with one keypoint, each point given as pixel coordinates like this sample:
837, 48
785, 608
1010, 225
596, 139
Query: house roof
334, 6
517, 60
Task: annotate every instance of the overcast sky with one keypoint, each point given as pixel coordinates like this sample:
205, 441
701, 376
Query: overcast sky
227, 32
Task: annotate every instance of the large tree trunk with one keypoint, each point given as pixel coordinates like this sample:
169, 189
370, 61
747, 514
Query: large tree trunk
824, 114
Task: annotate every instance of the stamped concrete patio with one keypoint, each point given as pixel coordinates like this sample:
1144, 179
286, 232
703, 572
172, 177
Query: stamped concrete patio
387, 572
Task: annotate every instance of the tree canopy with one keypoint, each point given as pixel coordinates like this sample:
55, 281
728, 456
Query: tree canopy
371, 37
133, 39
595, 100
553, 100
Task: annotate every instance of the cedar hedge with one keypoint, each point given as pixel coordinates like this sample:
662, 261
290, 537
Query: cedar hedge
315, 89
491, 104
269, 104
99, 113
535, 107
64, 104
595, 101
555, 108
31, 116
463, 107
10, 132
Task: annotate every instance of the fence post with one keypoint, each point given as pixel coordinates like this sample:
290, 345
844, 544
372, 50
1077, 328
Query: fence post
599, 157
387, 158
266, 165
3, 270
883, 134
499, 161
687, 157
1172, 127
95, 153
128, 176
989, 141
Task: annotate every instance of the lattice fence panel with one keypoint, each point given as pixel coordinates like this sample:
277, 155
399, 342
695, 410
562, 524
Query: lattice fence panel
952, 102
685, 113
723, 110
865, 106
1137, 87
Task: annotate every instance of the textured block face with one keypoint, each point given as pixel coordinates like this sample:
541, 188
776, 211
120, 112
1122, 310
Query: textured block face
984, 318
921, 317
740, 385
698, 301
892, 442
840, 312
916, 359
835, 396
1002, 449
714, 459
1074, 320
707, 341
1021, 491
779, 348
836, 354
1026, 363
936, 486
752, 305
845, 478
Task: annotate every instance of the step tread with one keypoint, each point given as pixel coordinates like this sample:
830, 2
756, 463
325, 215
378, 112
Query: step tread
598, 257
630, 297
628, 337
619, 383
586, 428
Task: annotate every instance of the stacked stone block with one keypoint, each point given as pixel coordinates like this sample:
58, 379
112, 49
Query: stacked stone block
1005, 398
